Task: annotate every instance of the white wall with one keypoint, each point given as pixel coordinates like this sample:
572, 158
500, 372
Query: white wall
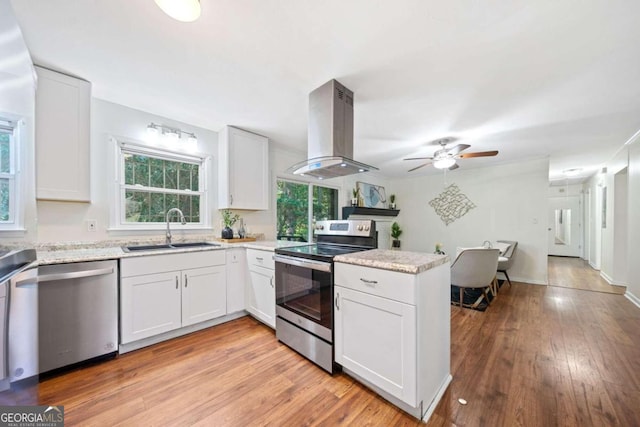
633, 278
65, 222
511, 204
17, 102
608, 248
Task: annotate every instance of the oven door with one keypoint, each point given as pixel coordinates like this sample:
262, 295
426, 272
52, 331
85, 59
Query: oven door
304, 288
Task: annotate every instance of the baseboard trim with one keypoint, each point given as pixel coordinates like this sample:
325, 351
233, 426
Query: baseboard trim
634, 299
529, 281
606, 277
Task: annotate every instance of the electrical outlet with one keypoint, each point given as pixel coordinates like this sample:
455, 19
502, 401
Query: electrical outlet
92, 225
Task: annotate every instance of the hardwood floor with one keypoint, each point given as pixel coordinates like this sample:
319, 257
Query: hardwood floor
576, 273
538, 356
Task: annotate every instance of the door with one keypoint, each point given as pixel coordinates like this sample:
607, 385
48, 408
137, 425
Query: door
565, 226
376, 339
204, 294
150, 305
261, 295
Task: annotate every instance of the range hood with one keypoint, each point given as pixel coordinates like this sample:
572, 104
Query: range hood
330, 137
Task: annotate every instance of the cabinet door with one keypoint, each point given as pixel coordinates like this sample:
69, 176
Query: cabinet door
150, 305
62, 137
236, 265
204, 294
376, 339
244, 170
261, 295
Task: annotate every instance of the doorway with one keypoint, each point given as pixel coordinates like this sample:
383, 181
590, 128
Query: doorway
565, 225
576, 273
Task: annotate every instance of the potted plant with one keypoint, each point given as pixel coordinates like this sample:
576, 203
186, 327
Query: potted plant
228, 219
392, 201
396, 231
354, 199
439, 250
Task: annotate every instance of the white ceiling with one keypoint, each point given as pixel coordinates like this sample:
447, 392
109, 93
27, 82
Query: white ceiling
529, 78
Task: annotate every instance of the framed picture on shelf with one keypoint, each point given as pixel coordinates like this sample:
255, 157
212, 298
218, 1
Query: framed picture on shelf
373, 196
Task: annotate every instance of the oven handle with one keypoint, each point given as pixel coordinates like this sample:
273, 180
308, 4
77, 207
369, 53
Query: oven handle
304, 263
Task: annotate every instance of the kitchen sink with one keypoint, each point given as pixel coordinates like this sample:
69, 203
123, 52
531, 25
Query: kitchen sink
171, 246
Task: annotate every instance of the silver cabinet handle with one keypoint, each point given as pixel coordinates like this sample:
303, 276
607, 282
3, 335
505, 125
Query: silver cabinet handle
259, 258
230, 199
186, 281
271, 281
369, 282
176, 282
65, 276
337, 301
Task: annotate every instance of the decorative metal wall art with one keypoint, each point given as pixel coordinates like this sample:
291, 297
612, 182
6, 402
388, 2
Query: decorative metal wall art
451, 204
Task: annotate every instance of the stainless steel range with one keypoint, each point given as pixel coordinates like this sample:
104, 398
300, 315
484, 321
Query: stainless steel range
304, 287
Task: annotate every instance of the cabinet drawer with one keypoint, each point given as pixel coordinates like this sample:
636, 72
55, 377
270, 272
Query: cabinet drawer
152, 264
260, 258
384, 283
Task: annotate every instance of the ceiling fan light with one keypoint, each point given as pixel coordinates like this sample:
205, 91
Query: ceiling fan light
181, 10
444, 163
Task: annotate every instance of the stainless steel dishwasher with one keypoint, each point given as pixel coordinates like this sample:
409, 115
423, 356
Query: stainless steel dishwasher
77, 312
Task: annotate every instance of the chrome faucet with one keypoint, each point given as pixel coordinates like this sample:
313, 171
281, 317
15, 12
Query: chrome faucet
182, 220
487, 244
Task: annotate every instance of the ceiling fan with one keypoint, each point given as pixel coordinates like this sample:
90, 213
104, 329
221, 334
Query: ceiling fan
445, 158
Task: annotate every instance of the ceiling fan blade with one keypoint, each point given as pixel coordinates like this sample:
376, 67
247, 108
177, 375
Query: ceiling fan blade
454, 167
457, 148
478, 154
418, 167
418, 158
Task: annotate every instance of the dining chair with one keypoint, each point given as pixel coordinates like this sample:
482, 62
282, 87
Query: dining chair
474, 268
506, 259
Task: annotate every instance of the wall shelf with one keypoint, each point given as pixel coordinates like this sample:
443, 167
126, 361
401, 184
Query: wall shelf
357, 210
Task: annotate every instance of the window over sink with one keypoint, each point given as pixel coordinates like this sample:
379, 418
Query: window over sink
299, 205
152, 181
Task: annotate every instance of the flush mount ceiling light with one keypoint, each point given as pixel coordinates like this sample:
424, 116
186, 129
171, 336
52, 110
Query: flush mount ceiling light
444, 162
181, 10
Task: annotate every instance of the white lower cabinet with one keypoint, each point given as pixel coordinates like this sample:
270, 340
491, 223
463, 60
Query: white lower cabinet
150, 305
166, 292
260, 292
392, 332
236, 277
376, 338
204, 294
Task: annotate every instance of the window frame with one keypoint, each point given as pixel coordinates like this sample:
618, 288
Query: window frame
310, 185
14, 176
122, 147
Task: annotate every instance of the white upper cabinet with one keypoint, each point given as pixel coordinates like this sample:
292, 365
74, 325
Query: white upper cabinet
243, 164
62, 137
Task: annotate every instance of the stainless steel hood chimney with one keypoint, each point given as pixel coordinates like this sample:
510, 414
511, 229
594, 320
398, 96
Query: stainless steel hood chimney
330, 138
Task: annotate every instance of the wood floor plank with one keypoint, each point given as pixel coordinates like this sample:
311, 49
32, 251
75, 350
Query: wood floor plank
538, 356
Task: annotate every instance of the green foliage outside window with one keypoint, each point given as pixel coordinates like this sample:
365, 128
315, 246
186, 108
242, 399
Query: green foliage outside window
5, 168
292, 211
152, 177
293, 216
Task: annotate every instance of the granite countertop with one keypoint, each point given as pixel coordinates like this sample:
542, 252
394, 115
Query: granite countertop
400, 261
98, 251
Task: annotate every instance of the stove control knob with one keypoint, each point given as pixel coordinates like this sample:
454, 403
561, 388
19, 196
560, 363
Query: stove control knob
360, 227
320, 227
366, 228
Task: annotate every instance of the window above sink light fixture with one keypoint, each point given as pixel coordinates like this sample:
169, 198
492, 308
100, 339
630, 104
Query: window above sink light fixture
181, 10
156, 133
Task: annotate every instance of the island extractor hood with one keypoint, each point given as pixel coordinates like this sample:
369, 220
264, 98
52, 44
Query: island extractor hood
330, 135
